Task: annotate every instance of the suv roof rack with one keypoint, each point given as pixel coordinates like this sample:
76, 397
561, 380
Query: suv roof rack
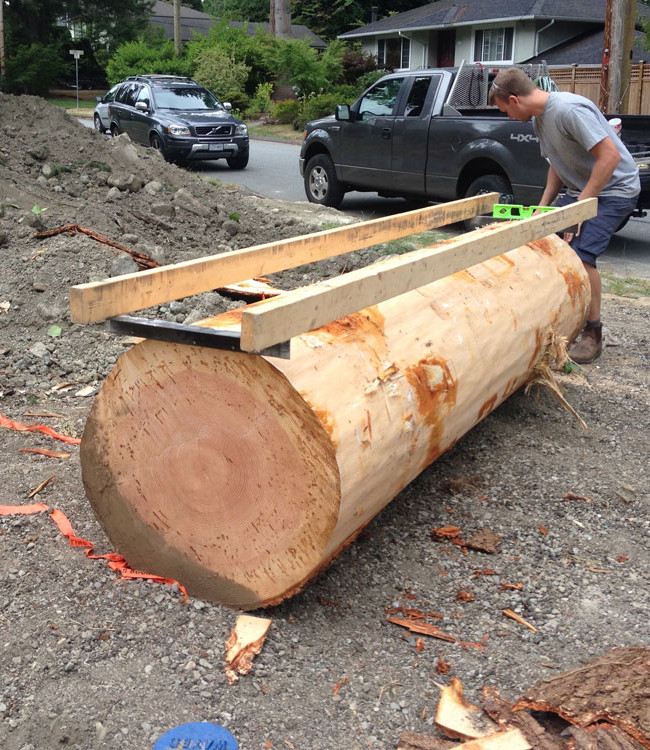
159, 78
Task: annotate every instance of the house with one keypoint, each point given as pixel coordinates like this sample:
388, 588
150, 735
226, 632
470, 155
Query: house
445, 33
194, 21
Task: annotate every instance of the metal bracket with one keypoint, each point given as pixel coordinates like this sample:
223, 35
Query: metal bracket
177, 333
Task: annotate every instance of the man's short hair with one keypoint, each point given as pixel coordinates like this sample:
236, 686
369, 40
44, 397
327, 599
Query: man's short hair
511, 81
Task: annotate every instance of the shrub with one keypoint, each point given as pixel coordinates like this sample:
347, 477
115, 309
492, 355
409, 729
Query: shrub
356, 64
286, 111
261, 103
217, 70
366, 80
133, 58
33, 69
313, 107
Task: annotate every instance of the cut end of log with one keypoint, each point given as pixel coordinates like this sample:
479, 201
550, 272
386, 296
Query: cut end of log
207, 467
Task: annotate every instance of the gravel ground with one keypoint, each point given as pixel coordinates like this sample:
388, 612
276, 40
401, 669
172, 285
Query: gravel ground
93, 661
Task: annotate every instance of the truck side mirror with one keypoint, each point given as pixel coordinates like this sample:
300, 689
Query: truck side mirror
342, 112
142, 106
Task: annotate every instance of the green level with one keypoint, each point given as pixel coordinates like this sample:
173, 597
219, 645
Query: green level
515, 211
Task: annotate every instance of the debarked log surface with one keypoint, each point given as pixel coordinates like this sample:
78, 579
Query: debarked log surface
241, 476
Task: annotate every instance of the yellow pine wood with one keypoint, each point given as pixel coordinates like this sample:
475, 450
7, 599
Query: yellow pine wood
99, 300
305, 309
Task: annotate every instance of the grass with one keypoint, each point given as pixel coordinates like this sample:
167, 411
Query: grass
282, 133
625, 287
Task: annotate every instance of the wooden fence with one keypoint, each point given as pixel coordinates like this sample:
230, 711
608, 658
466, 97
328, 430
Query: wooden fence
585, 80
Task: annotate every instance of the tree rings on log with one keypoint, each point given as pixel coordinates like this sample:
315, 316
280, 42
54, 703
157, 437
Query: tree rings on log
206, 465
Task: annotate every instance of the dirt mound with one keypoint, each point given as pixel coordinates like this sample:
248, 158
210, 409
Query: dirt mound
55, 172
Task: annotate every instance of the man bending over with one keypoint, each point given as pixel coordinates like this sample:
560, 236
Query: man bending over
587, 157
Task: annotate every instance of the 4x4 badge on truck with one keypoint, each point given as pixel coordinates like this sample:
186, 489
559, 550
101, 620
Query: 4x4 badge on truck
523, 137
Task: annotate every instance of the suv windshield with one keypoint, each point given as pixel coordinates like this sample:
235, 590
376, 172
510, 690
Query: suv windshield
185, 98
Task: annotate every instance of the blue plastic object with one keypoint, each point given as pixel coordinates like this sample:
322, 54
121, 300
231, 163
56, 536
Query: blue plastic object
198, 735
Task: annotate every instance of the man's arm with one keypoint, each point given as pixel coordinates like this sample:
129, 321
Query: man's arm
553, 186
607, 158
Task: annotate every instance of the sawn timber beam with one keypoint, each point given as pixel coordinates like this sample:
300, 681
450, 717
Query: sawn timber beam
277, 320
99, 300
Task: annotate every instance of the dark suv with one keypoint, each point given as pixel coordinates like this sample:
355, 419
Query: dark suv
180, 118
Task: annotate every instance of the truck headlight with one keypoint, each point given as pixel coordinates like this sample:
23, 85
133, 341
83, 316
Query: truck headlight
241, 129
178, 130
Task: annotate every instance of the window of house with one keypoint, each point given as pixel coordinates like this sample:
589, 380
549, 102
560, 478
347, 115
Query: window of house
394, 53
493, 45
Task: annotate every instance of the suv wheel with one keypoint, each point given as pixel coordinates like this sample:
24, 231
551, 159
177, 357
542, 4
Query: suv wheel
238, 162
322, 186
98, 124
115, 131
156, 143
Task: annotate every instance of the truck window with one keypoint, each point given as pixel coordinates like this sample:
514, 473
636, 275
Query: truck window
417, 96
380, 101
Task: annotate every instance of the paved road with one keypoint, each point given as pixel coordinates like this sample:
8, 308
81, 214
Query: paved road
273, 172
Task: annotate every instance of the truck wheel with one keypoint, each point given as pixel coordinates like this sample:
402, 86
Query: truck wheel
489, 183
321, 183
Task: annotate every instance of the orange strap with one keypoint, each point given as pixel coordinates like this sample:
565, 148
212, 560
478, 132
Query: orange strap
4, 422
115, 562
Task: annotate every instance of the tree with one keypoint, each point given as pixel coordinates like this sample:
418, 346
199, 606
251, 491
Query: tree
101, 21
238, 10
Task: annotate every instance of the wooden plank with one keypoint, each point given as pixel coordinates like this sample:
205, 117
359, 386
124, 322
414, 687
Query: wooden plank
99, 300
305, 309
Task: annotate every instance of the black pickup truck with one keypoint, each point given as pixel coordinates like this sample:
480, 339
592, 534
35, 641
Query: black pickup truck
429, 135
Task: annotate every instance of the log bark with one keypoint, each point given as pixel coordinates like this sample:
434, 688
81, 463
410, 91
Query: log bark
242, 476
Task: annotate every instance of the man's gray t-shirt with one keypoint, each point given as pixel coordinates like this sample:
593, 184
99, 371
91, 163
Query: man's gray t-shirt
568, 128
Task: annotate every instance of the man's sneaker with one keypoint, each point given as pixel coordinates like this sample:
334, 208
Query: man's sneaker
588, 346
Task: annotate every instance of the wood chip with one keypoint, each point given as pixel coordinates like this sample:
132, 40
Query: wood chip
484, 541
514, 616
613, 688
571, 496
45, 452
244, 643
424, 628
412, 741
42, 485
459, 719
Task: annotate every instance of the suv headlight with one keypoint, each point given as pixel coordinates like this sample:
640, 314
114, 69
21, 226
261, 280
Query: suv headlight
178, 130
241, 129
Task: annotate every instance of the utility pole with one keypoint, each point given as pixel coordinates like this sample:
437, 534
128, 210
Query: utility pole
177, 28
282, 19
618, 41
2, 40
272, 17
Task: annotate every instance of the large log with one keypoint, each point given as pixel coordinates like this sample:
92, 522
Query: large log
242, 476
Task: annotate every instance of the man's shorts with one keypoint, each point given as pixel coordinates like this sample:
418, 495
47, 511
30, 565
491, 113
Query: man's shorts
596, 233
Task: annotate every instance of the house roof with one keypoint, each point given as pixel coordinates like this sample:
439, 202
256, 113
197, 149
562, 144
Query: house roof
192, 21
444, 13
588, 49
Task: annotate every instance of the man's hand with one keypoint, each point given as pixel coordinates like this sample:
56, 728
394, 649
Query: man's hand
568, 236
